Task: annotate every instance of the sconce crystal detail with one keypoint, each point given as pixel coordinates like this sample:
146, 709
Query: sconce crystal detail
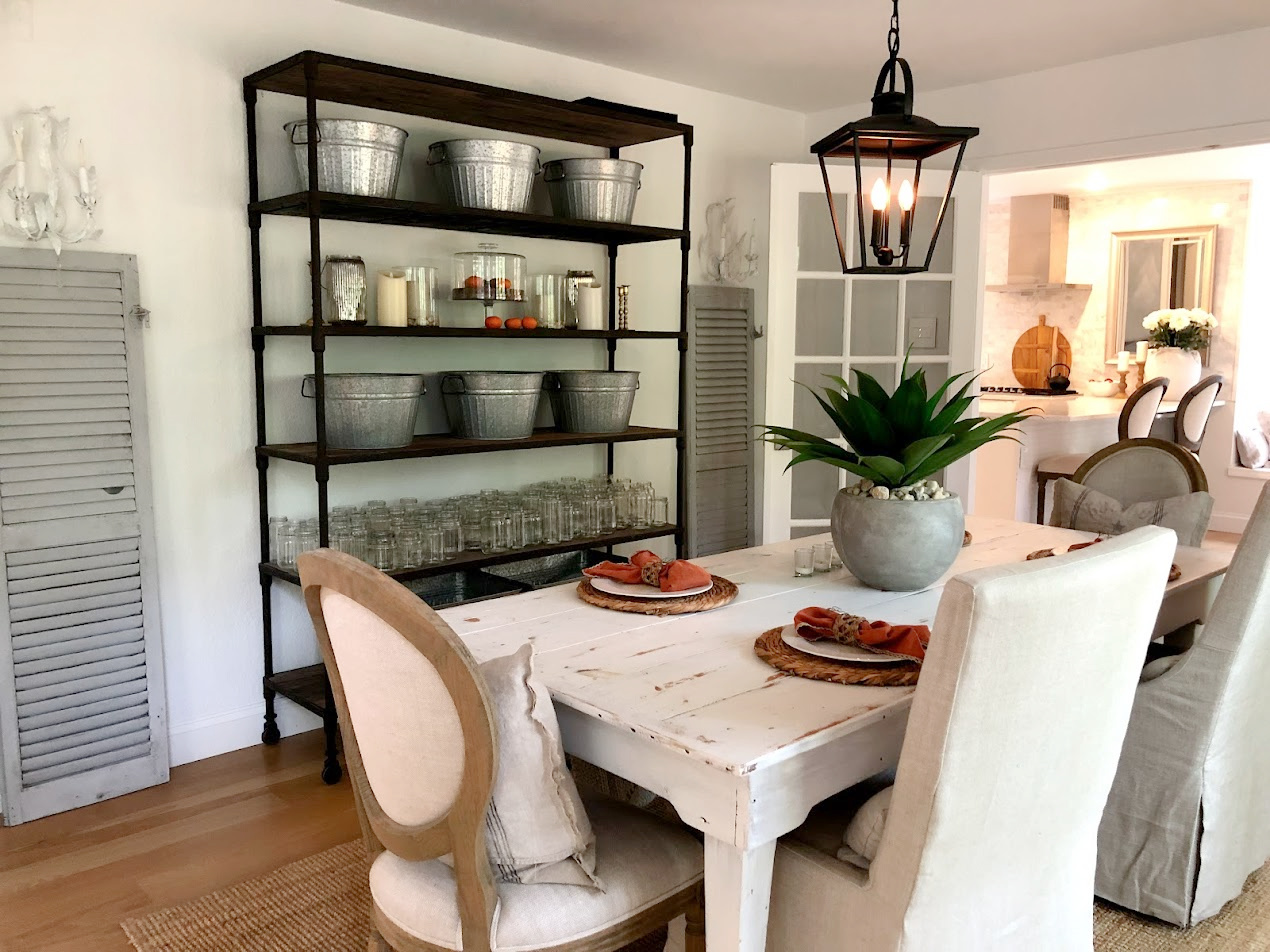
726, 256
36, 183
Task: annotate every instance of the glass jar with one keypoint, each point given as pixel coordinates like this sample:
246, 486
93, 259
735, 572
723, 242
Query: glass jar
421, 296
488, 275
287, 545
275, 525
547, 299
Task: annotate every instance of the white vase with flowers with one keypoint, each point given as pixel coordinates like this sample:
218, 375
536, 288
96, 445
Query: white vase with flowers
1177, 336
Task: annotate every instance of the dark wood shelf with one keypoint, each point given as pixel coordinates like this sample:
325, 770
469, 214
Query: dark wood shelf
335, 206
483, 333
375, 86
306, 686
478, 560
443, 444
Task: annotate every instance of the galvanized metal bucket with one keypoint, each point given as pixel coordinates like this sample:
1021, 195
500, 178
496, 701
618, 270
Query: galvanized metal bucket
485, 173
369, 411
355, 157
491, 404
593, 189
592, 401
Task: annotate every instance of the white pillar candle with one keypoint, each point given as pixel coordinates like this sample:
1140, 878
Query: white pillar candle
1122, 360
391, 299
590, 307
1142, 352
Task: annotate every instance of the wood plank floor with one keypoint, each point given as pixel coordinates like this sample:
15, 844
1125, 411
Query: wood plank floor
67, 881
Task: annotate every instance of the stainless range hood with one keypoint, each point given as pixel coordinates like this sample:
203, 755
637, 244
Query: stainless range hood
1038, 245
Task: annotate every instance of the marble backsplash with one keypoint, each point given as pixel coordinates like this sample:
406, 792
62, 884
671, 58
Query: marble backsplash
1082, 314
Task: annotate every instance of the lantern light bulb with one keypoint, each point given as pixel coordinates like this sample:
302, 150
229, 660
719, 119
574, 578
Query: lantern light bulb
906, 196
879, 195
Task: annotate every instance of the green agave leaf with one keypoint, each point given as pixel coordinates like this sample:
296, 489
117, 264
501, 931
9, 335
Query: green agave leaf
892, 470
952, 412
933, 403
868, 388
907, 410
917, 452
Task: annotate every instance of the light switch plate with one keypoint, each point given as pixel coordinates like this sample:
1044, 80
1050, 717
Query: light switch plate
921, 333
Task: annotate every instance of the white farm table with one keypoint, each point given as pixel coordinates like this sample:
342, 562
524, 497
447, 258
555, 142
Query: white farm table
683, 707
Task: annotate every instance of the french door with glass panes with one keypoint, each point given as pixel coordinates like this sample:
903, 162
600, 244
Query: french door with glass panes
821, 321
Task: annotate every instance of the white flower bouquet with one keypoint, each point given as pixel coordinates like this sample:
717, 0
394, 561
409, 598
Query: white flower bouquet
1187, 328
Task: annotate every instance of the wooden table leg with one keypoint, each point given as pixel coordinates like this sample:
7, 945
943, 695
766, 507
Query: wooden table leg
738, 890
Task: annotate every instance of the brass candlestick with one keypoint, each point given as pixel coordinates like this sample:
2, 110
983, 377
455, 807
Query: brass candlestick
623, 306
1123, 392
1142, 372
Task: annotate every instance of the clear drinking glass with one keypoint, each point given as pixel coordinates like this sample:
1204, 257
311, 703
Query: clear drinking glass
551, 519
641, 510
516, 529
606, 513
533, 529
494, 528
822, 556
804, 562
622, 506
661, 511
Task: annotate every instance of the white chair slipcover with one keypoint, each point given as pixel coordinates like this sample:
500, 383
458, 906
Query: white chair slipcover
1010, 750
1188, 817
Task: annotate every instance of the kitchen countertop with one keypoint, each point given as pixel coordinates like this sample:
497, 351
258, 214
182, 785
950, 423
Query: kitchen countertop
1080, 407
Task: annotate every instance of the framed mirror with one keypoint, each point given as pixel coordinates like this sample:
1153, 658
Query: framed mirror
1150, 270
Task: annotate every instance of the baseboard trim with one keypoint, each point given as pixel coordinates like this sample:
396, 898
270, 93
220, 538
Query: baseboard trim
1228, 522
232, 730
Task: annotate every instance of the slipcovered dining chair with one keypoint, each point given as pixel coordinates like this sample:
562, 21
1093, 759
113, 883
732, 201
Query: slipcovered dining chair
1011, 746
1188, 817
423, 753
1136, 417
1190, 423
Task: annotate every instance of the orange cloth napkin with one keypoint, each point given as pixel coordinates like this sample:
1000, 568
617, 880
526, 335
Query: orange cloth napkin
901, 641
645, 567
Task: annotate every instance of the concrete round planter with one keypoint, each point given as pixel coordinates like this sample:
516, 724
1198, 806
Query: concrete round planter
897, 546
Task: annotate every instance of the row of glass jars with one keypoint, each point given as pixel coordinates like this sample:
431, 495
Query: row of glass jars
409, 534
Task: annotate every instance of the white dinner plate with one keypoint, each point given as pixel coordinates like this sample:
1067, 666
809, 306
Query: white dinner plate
833, 650
638, 590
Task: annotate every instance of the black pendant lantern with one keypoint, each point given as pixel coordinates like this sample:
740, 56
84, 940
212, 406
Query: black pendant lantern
894, 136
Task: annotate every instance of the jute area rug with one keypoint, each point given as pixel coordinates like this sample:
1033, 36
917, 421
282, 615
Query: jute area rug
320, 904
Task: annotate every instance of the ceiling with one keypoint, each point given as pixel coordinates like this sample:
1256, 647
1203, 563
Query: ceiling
1211, 165
810, 55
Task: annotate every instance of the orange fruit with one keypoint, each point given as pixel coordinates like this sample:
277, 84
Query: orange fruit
529, 323
514, 323
494, 322
473, 282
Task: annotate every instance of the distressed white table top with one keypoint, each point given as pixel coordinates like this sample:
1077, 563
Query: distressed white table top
693, 682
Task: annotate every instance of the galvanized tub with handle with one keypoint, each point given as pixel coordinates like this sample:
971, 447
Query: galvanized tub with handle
494, 174
355, 157
369, 411
592, 401
593, 189
491, 404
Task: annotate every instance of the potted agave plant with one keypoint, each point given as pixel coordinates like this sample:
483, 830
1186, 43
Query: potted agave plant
896, 529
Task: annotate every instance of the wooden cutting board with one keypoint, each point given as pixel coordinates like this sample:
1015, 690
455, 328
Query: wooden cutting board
1037, 349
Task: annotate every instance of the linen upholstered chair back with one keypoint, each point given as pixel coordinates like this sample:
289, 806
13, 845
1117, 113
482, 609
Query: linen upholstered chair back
416, 722
1011, 747
1142, 470
1188, 818
1193, 411
1140, 409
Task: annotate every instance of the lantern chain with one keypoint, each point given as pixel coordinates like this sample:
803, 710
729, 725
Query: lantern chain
893, 37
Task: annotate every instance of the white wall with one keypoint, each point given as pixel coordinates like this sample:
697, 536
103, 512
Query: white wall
154, 89
1188, 96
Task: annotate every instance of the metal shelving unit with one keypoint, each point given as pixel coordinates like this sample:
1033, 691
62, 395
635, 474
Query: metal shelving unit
320, 77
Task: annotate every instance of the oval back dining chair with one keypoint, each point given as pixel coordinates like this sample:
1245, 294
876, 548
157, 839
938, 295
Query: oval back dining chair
1136, 416
420, 740
1142, 470
1011, 746
1188, 817
1190, 423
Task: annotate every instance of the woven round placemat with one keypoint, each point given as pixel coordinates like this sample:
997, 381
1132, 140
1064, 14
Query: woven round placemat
720, 594
770, 647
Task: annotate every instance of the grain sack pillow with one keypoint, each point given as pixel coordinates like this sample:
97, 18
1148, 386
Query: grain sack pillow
1079, 507
864, 833
537, 830
1253, 448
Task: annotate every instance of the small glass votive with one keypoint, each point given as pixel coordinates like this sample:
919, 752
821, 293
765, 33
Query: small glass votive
822, 557
804, 562
661, 511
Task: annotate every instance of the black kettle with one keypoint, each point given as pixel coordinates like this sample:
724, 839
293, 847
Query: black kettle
1059, 382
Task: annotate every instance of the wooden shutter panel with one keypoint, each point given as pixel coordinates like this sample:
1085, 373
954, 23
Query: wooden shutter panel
81, 682
720, 412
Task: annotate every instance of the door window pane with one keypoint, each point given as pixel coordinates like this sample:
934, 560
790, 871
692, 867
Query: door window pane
874, 314
927, 311
884, 374
818, 317
817, 247
924, 215
814, 486
808, 414
801, 532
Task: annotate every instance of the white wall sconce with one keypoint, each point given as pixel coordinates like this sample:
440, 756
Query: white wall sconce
37, 184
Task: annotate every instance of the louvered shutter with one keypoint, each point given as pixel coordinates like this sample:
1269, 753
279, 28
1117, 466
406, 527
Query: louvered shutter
81, 678
720, 412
